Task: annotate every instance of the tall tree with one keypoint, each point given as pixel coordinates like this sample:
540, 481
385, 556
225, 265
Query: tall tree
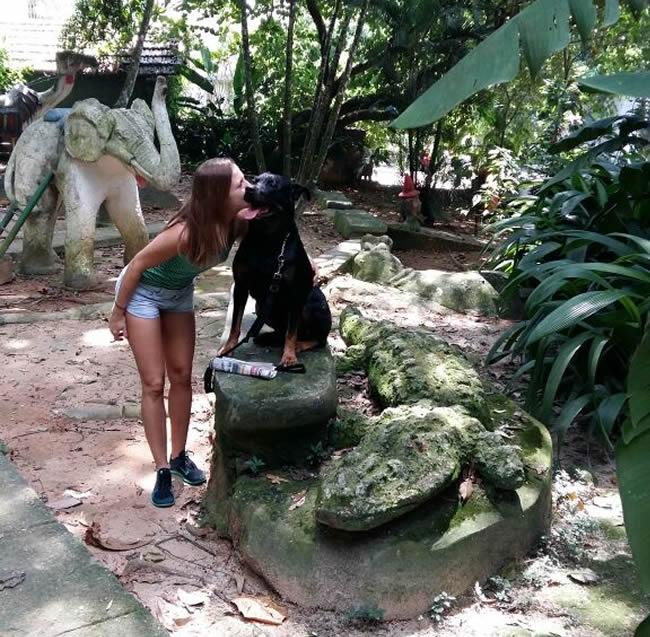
335, 109
250, 92
288, 101
136, 56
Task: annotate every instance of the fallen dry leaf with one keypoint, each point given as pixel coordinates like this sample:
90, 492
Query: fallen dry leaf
153, 555
260, 609
298, 499
584, 576
273, 479
169, 615
240, 580
66, 502
466, 489
191, 598
119, 531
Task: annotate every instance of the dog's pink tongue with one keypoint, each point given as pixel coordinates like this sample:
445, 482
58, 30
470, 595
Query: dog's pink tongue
247, 213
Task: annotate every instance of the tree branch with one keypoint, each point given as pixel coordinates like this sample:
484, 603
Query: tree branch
316, 16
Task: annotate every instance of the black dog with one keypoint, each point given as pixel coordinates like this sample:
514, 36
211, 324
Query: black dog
272, 266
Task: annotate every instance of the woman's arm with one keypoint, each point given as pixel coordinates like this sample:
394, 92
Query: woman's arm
163, 247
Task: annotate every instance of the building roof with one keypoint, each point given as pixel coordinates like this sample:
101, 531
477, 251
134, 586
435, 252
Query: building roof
34, 44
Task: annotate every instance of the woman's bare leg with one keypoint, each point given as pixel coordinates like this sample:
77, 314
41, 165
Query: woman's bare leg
178, 332
145, 338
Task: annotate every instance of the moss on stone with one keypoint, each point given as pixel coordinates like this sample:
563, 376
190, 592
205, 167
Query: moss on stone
411, 453
354, 358
499, 464
348, 429
406, 365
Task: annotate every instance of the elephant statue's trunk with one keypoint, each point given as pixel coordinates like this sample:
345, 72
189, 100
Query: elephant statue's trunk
163, 170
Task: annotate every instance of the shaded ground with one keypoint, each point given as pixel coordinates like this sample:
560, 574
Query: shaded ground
104, 466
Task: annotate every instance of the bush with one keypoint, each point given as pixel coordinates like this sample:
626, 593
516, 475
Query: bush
8, 76
578, 251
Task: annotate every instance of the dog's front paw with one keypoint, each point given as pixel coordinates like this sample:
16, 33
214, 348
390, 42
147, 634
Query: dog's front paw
288, 358
228, 345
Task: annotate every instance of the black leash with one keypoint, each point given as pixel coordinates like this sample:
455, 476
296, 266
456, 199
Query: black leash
254, 330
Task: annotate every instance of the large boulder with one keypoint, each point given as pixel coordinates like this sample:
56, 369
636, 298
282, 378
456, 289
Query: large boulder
406, 365
409, 455
401, 566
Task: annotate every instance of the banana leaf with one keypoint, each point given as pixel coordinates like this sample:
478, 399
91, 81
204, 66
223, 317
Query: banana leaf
541, 29
633, 471
631, 83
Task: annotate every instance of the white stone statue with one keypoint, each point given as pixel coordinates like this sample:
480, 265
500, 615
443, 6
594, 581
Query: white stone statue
95, 154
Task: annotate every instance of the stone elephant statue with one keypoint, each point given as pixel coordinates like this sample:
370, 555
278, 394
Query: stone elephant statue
95, 153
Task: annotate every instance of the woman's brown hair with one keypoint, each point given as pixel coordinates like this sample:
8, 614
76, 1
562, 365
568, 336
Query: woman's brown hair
205, 234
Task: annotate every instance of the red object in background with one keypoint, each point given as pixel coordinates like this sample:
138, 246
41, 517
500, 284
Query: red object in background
408, 189
69, 79
425, 160
141, 181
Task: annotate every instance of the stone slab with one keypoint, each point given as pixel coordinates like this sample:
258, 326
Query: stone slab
337, 259
334, 199
136, 624
63, 590
405, 238
20, 507
356, 223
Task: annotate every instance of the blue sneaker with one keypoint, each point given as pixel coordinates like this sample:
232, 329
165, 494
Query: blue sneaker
183, 467
162, 495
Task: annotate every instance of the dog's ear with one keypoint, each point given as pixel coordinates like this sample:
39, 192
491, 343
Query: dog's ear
298, 191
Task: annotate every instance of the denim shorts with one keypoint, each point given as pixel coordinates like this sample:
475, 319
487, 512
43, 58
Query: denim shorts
148, 301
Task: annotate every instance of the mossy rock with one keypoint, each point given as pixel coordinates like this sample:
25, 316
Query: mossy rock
407, 365
459, 291
409, 455
349, 428
401, 566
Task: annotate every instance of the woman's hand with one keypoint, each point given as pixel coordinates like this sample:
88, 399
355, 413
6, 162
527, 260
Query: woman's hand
117, 324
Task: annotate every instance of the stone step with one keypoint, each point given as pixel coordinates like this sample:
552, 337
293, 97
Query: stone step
356, 223
59, 588
335, 199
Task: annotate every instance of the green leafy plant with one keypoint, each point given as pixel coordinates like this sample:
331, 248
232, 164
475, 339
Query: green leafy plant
441, 605
254, 465
578, 251
318, 453
8, 76
541, 29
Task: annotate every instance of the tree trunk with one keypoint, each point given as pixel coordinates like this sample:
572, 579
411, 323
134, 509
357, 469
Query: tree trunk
321, 100
250, 94
336, 108
288, 81
134, 66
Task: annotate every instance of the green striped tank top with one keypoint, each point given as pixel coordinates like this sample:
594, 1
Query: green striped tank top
178, 272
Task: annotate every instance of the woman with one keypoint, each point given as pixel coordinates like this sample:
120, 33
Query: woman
154, 311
